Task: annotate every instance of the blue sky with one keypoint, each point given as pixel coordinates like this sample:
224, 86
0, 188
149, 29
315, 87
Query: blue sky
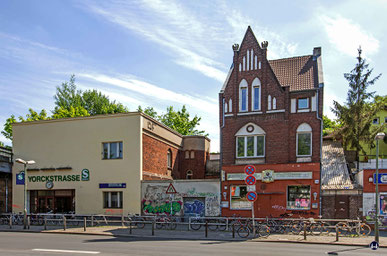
162, 53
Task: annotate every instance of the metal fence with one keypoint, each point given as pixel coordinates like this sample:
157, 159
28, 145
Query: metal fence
236, 226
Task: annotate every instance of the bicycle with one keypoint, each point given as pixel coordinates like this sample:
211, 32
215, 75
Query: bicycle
261, 229
165, 222
137, 220
352, 228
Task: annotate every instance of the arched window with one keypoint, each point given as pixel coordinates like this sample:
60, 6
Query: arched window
247, 60
256, 95
304, 140
225, 108
230, 105
240, 67
256, 62
274, 103
189, 175
186, 154
243, 95
252, 59
192, 154
244, 64
169, 158
259, 65
269, 102
250, 141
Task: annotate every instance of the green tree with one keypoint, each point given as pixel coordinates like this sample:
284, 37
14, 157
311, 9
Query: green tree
357, 113
180, 121
70, 101
31, 116
150, 111
329, 125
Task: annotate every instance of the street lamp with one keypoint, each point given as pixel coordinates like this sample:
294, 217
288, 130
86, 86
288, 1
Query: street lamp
378, 137
25, 163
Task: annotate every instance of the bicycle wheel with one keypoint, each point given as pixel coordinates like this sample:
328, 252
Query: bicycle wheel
263, 230
159, 225
243, 231
196, 224
316, 229
343, 228
364, 230
140, 223
296, 228
212, 225
222, 225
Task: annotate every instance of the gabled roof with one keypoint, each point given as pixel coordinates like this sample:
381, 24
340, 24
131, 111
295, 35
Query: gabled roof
297, 72
334, 171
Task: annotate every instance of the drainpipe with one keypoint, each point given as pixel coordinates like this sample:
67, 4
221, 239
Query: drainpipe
6, 194
321, 141
221, 152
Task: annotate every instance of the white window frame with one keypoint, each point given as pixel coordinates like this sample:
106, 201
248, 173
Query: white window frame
304, 128
307, 101
243, 85
109, 196
256, 84
255, 146
118, 143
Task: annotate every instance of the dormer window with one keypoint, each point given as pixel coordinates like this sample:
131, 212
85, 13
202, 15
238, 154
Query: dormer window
303, 103
243, 95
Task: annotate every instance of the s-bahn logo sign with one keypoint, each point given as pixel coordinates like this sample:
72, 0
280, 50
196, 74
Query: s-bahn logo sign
84, 176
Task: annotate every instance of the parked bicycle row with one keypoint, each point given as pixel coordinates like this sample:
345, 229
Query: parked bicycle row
242, 226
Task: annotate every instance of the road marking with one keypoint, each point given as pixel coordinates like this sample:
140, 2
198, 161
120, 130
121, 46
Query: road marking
66, 251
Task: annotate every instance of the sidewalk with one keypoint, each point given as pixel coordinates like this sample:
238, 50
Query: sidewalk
146, 234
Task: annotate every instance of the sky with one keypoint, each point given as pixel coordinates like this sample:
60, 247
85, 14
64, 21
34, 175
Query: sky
162, 53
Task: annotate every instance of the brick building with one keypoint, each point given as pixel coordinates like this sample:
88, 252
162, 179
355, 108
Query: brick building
5, 179
271, 117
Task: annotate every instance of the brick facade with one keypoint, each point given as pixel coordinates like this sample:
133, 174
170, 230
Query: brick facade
279, 122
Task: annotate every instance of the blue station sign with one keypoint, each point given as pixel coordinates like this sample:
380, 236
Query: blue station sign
382, 178
112, 185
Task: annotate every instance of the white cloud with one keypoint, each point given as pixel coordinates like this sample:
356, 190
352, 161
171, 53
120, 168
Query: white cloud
347, 36
157, 93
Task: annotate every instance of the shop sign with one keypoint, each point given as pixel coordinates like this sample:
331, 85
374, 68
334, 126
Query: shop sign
85, 175
268, 176
112, 185
382, 178
276, 176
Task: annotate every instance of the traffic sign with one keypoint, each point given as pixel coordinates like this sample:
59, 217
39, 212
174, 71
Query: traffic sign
374, 245
171, 189
250, 180
251, 196
249, 169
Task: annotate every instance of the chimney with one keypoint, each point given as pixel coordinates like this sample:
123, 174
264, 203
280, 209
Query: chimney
316, 52
235, 48
264, 46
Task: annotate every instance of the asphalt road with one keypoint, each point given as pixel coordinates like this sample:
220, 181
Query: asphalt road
14, 244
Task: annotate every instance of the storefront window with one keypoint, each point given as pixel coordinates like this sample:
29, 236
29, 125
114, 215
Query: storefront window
298, 198
238, 198
383, 204
112, 199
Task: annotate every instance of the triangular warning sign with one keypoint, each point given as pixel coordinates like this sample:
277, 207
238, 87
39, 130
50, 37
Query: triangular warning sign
171, 189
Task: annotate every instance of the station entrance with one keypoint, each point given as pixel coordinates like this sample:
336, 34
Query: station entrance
52, 201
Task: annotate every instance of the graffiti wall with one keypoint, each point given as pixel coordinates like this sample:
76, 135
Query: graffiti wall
193, 198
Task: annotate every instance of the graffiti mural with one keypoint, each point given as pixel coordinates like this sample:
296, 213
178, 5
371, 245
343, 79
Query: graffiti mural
155, 207
194, 207
201, 198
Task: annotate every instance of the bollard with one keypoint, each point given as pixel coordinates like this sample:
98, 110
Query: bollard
122, 220
189, 224
337, 233
64, 222
153, 227
84, 224
206, 229
233, 230
28, 222
130, 226
45, 222
304, 231
10, 221
92, 220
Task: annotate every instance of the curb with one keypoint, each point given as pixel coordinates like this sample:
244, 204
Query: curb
195, 239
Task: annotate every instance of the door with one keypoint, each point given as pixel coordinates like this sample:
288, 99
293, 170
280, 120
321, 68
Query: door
341, 207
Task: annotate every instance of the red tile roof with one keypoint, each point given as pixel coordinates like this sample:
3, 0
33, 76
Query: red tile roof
297, 72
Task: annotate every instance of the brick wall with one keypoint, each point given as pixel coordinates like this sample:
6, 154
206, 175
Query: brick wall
197, 164
155, 159
3, 178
